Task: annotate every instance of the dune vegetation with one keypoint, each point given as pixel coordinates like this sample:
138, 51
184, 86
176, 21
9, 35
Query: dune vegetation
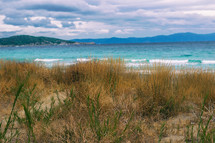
103, 101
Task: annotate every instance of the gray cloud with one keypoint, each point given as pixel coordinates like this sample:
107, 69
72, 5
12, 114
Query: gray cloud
52, 7
68, 24
9, 0
28, 22
15, 21
7, 34
85, 10
106, 18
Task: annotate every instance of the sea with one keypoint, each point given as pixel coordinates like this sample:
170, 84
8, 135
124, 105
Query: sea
183, 54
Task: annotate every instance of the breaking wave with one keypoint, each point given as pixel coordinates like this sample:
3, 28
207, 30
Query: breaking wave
47, 60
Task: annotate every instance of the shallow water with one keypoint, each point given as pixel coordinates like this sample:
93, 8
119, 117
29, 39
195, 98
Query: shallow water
189, 54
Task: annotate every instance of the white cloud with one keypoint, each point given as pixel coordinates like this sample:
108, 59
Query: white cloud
84, 18
124, 31
33, 30
118, 31
56, 22
92, 26
103, 31
89, 25
6, 27
210, 13
37, 18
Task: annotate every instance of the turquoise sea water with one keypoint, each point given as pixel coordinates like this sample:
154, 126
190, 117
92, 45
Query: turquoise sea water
198, 54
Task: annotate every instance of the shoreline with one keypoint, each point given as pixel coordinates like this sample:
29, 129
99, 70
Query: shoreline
61, 44
143, 68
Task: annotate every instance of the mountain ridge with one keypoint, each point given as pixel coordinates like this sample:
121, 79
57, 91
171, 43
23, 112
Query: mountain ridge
177, 37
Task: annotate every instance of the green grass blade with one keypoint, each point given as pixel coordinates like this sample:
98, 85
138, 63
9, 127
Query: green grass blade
14, 103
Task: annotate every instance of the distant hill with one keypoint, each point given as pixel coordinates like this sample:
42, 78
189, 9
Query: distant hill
31, 40
178, 37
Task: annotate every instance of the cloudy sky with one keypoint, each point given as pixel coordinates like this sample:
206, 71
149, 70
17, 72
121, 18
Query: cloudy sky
69, 19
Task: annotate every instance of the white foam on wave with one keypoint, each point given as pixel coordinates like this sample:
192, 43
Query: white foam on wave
83, 60
67, 63
136, 60
208, 62
174, 62
103, 59
47, 60
135, 64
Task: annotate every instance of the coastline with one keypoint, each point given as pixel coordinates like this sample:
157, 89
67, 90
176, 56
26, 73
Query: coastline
61, 44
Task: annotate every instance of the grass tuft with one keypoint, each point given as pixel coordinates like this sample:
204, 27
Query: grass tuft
104, 101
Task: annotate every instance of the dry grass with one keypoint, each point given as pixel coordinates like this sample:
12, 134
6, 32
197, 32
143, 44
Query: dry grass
103, 101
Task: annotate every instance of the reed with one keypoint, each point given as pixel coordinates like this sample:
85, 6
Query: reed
104, 101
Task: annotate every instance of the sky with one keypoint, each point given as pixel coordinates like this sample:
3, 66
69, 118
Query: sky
71, 19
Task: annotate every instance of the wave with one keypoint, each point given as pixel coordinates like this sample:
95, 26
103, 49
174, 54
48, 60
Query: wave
186, 55
90, 59
208, 62
195, 61
135, 60
83, 60
135, 64
175, 62
47, 60
103, 59
139, 60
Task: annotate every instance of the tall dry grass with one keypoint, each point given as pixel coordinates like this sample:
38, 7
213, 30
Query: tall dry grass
103, 101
